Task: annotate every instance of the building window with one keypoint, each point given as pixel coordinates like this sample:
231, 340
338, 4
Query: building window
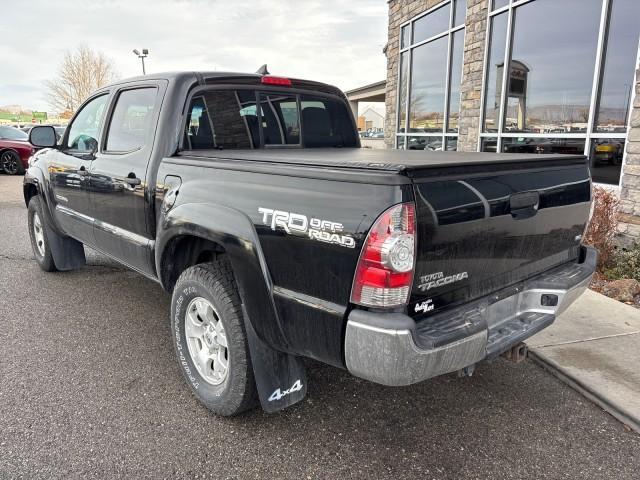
430, 74
569, 83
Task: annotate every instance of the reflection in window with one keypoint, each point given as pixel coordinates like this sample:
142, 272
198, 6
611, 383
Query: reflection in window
132, 120
229, 119
402, 91
460, 12
574, 146
428, 69
452, 144
431, 144
432, 24
618, 67
280, 122
552, 67
500, 3
83, 132
489, 144
495, 62
606, 159
457, 49
223, 119
405, 36
430, 77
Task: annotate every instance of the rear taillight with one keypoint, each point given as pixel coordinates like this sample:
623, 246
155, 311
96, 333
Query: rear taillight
385, 269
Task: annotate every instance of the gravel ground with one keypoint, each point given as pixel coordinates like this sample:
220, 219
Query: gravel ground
89, 388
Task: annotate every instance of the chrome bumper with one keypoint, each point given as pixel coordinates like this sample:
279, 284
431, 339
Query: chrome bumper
392, 349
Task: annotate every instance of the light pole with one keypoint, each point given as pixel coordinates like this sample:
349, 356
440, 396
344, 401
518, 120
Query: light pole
142, 56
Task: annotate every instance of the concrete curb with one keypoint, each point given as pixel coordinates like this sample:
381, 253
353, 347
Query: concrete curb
607, 405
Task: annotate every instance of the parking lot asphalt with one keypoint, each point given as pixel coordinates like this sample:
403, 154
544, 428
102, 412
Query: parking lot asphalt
89, 388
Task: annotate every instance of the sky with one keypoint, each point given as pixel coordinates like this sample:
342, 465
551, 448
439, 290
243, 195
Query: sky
332, 41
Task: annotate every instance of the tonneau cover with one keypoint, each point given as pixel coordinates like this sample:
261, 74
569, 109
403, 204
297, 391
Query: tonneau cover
381, 159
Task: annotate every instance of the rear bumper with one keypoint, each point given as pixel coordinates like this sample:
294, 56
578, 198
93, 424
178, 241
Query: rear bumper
392, 349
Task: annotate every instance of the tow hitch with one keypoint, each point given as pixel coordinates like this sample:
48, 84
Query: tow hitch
517, 353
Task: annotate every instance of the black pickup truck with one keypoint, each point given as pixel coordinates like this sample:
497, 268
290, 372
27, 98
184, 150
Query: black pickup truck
248, 197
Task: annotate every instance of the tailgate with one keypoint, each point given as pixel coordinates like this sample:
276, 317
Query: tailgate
483, 229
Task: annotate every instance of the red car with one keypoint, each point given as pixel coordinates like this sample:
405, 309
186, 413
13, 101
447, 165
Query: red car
15, 150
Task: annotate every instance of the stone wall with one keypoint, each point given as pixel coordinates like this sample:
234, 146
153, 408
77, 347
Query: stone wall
629, 226
471, 89
401, 11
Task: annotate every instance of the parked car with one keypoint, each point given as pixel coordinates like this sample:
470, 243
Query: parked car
279, 238
15, 150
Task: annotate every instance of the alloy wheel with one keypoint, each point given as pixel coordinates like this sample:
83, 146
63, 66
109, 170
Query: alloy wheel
206, 341
38, 234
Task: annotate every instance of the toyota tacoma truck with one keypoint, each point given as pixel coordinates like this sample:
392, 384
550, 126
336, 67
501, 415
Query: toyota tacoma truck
249, 199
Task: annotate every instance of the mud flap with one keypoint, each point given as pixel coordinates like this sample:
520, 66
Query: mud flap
280, 377
68, 254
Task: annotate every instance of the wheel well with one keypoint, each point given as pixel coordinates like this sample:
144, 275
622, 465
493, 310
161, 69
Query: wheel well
183, 252
29, 191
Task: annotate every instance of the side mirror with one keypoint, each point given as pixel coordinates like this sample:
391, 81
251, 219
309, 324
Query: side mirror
43, 137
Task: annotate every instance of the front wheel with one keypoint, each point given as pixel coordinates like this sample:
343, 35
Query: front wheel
38, 235
210, 340
11, 163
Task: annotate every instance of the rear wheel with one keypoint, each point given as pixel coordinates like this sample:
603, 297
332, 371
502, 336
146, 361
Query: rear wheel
38, 235
209, 338
11, 163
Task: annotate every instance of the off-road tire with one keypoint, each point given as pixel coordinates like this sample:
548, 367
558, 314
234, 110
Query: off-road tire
215, 283
45, 260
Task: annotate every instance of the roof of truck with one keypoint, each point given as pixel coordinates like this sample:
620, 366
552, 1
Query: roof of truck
205, 76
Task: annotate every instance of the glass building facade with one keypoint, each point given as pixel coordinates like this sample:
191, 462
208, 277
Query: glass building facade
568, 87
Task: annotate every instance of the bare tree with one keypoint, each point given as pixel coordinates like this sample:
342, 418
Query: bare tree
81, 72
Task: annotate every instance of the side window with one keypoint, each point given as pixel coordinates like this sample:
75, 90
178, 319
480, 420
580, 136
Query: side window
83, 132
132, 120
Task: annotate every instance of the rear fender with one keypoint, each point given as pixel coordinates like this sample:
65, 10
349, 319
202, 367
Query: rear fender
280, 376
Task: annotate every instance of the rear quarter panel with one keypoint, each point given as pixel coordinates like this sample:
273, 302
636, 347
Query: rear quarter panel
311, 278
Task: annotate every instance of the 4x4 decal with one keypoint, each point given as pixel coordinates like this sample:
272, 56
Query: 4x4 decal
279, 394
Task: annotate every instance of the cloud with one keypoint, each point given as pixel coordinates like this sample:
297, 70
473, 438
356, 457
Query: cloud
332, 41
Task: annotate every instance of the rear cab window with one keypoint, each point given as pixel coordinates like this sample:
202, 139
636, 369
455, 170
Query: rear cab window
247, 119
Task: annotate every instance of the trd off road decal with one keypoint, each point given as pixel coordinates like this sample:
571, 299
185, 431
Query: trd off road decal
435, 280
314, 228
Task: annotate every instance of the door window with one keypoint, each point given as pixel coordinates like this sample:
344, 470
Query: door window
132, 120
84, 131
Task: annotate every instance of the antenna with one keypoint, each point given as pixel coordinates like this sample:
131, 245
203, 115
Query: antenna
263, 70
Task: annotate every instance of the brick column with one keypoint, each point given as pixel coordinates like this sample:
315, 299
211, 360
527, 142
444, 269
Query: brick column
629, 226
473, 64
